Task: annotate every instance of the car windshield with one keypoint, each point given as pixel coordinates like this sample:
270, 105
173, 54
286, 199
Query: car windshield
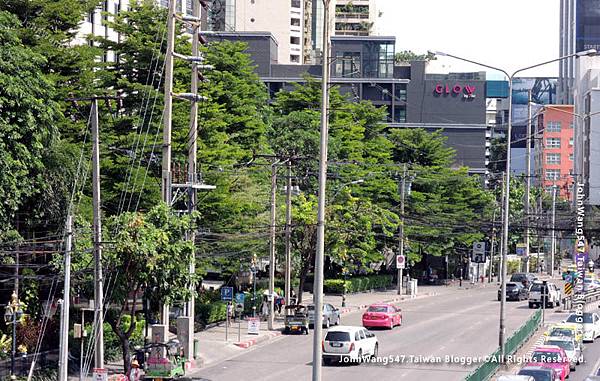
511, 285
518, 277
337, 336
377, 309
587, 318
561, 332
537, 374
545, 356
566, 345
536, 287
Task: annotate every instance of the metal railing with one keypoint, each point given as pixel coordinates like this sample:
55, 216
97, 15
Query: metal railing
487, 369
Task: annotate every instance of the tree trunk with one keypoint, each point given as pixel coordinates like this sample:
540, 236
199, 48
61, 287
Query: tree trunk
126, 355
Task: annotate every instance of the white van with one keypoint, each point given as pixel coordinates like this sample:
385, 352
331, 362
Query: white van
348, 344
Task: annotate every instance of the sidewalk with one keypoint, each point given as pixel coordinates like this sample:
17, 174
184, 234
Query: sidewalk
214, 348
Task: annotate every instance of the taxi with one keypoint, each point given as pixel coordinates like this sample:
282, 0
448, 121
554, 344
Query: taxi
566, 329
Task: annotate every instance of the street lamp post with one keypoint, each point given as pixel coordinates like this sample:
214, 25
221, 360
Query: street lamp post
12, 315
591, 52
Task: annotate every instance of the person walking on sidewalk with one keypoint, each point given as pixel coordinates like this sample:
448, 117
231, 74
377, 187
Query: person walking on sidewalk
230, 313
264, 308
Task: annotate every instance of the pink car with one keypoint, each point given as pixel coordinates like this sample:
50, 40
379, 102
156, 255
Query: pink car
382, 315
551, 356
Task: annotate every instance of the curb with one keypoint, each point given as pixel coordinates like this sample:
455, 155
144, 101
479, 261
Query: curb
346, 310
249, 343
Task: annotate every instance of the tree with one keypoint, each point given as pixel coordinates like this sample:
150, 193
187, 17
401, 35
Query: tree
148, 253
409, 55
27, 122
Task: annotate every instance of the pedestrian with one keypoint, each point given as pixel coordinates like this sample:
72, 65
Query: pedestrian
230, 314
265, 308
135, 373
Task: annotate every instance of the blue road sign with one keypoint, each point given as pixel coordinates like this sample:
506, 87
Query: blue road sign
226, 293
239, 298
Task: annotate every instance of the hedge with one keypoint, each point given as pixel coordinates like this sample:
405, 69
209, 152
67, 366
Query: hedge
357, 284
211, 313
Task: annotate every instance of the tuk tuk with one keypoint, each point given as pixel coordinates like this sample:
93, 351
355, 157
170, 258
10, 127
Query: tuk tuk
296, 319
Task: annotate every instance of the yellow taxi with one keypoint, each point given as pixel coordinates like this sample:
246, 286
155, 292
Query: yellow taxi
565, 329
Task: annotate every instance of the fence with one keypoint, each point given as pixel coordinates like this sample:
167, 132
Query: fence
46, 359
486, 370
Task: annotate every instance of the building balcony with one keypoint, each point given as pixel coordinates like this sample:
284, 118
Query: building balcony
343, 16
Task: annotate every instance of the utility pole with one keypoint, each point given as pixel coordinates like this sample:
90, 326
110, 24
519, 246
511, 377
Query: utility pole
272, 245
98, 279
501, 241
401, 227
492, 245
320, 250
553, 236
288, 234
527, 180
64, 318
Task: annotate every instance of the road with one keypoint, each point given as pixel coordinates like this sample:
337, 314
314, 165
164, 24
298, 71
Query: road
461, 323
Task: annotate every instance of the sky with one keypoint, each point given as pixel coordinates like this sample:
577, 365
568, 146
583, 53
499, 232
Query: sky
508, 34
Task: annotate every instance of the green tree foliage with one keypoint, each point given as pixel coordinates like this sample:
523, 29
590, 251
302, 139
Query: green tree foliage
408, 55
26, 121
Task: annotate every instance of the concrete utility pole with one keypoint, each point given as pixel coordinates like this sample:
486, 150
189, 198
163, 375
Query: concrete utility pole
63, 361
527, 181
168, 110
320, 252
500, 266
272, 245
288, 234
492, 245
553, 235
401, 227
98, 278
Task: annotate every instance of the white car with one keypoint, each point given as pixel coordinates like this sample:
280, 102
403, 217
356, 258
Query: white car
552, 295
590, 322
348, 344
571, 348
515, 377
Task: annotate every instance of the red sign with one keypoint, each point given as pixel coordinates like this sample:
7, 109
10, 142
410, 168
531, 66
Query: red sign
467, 91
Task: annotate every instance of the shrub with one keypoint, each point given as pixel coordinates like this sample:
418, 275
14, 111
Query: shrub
357, 284
211, 313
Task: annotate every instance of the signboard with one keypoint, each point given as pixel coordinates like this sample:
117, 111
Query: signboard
239, 307
226, 293
100, 374
478, 252
239, 297
253, 326
466, 91
521, 252
400, 261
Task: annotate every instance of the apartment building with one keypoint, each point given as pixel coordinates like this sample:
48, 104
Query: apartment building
554, 149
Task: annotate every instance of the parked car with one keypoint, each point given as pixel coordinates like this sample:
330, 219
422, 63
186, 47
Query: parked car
571, 330
553, 357
590, 322
514, 291
550, 290
539, 373
382, 315
331, 315
515, 377
348, 344
524, 278
570, 346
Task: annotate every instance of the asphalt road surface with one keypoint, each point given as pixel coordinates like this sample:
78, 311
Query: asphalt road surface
461, 323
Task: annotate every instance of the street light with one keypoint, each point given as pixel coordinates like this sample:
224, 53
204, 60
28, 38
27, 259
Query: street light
359, 181
589, 53
12, 314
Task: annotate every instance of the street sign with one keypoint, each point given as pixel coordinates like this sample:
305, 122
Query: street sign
239, 307
239, 297
478, 255
253, 326
400, 261
568, 289
226, 293
521, 249
100, 374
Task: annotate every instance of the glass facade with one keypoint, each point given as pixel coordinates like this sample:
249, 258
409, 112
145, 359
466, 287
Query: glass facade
378, 60
347, 65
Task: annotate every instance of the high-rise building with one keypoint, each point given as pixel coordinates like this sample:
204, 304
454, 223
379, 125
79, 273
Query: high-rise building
579, 31
586, 134
349, 18
554, 151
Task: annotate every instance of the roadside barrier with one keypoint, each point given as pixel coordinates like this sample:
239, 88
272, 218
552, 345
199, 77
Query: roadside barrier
487, 369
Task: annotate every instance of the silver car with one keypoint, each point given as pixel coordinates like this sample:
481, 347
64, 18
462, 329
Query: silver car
571, 348
331, 315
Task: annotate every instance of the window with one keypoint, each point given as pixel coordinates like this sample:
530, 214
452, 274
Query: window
399, 114
295, 3
553, 142
553, 126
552, 174
553, 158
294, 58
295, 40
295, 22
347, 64
571, 142
362, 334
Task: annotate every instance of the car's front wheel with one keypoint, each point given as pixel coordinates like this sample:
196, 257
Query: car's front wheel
327, 324
375, 350
338, 320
